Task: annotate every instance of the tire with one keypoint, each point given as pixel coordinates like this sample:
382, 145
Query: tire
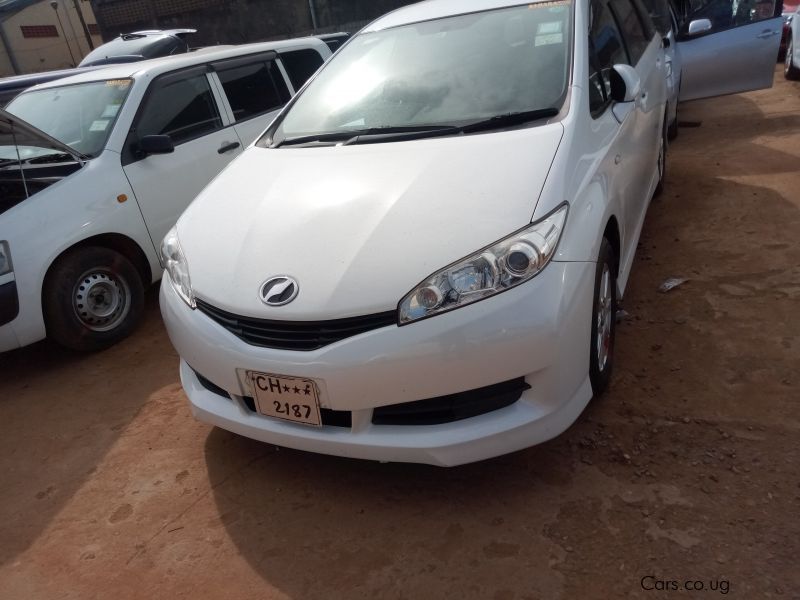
790, 71
92, 298
662, 159
604, 326
672, 130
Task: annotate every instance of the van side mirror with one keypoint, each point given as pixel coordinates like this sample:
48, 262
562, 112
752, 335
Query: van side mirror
699, 26
625, 83
625, 88
156, 144
665, 42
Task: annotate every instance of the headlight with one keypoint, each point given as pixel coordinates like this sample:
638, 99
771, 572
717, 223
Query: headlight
175, 264
500, 267
5, 259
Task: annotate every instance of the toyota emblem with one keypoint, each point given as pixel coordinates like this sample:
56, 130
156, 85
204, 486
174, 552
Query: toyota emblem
278, 291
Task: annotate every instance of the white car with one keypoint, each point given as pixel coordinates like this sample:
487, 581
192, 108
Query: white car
108, 160
421, 259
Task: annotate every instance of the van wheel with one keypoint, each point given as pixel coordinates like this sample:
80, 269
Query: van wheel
604, 312
789, 70
662, 159
92, 298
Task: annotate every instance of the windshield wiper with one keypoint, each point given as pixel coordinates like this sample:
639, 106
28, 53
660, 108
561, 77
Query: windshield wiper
375, 135
509, 119
369, 135
50, 158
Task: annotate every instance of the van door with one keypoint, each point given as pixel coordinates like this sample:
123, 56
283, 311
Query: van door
729, 46
646, 56
183, 106
254, 89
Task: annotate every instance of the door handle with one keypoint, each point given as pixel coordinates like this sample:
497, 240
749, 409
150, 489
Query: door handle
228, 146
767, 33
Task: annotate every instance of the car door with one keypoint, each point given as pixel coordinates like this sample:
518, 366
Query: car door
255, 89
646, 55
729, 46
621, 164
184, 106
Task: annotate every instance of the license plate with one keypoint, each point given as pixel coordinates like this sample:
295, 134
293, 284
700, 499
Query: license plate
289, 398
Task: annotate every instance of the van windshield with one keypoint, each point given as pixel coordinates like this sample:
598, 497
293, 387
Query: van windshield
441, 73
79, 115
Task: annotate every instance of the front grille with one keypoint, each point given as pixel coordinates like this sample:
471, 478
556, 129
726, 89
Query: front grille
453, 407
295, 335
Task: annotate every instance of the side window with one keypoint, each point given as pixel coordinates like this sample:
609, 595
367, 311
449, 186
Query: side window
634, 31
254, 89
301, 65
605, 50
726, 14
659, 12
182, 108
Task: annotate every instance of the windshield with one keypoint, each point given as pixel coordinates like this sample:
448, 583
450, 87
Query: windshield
81, 116
444, 72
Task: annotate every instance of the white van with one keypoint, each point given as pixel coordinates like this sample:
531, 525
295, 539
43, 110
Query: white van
96, 168
443, 289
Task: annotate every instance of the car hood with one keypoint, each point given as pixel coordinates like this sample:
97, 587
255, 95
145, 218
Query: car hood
358, 226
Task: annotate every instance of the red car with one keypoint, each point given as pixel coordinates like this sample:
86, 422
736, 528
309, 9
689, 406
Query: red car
788, 14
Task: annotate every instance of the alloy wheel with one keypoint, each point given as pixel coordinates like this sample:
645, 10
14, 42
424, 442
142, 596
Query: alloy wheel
604, 316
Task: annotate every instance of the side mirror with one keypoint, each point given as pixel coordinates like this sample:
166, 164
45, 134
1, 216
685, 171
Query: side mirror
699, 26
665, 42
156, 144
625, 83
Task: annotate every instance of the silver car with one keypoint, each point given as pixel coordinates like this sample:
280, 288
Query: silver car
715, 48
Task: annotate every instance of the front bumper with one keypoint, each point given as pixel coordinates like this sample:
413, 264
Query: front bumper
539, 331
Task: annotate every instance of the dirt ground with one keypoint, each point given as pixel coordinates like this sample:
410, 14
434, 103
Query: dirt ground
688, 470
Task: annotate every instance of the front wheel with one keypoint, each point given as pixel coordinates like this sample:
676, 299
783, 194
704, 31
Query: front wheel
92, 298
604, 311
789, 70
661, 165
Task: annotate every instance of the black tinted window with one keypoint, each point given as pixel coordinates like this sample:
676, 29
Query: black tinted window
253, 89
725, 14
659, 13
605, 50
180, 108
301, 65
633, 31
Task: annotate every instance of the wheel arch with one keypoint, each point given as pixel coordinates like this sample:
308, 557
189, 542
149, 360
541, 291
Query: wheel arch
611, 233
118, 242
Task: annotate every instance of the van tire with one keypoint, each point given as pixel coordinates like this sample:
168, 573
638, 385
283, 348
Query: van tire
92, 298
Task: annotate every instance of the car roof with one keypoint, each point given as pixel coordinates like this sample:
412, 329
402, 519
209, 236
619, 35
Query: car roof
437, 9
157, 66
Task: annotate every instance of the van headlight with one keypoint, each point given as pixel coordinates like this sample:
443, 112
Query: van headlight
495, 269
176, 267
5, 259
